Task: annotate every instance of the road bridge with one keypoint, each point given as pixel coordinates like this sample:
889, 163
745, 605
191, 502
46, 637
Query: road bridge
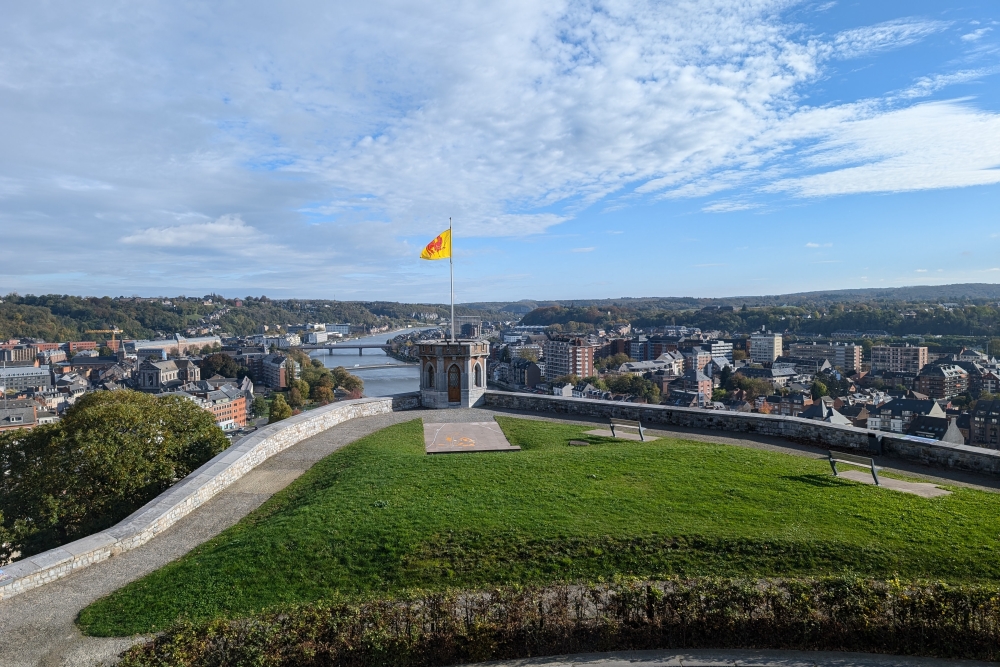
360, 347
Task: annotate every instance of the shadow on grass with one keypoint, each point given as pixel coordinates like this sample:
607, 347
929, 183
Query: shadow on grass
823, 481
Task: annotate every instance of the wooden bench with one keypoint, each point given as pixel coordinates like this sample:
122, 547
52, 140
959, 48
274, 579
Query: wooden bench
627, 423
852, 460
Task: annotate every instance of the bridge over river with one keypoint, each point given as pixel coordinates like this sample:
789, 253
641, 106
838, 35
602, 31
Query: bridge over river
360, 347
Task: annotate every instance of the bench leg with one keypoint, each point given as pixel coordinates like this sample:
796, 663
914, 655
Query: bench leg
613, 431
642, 436
833, 464
875, 475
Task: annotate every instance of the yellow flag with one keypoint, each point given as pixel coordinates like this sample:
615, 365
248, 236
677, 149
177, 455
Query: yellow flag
439, 248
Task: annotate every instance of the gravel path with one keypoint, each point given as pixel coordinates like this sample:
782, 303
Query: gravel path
37, 627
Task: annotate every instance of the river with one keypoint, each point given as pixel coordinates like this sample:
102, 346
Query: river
400, 378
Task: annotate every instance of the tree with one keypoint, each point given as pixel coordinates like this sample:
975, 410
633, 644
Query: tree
819, 390
105, 351
260, 407
295, 397
528, 354
322, 394
279, 410
724, 375
221, 364
739, 355
113, 452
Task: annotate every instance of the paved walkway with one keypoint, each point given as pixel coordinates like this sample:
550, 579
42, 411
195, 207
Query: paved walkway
37, 627
731, 658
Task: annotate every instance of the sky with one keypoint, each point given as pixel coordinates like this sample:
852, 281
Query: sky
582, 150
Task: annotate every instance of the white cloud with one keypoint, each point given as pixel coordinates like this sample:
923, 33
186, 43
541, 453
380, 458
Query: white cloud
812, 244
921, 271
227, 232
975, 34
729, 206
928, 85
933, 145
591, 249
891, 34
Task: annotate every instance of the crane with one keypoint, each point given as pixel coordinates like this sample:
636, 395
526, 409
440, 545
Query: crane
114, 331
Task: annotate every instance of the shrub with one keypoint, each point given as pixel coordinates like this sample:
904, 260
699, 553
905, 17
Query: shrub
112, 453
508, 623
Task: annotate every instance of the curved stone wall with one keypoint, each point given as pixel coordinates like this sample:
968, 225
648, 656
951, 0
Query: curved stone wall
188, 494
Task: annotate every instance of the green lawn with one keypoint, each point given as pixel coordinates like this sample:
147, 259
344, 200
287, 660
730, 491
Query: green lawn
380, 516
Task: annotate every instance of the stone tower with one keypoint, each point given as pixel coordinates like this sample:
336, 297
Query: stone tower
453, 374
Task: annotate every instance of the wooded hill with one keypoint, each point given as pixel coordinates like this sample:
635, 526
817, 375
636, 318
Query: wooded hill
60, 317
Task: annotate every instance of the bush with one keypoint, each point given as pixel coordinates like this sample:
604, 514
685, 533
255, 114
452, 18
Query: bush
112, 453
461, 627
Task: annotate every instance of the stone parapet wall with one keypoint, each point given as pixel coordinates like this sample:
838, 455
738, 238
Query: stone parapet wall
190, 493
942, 454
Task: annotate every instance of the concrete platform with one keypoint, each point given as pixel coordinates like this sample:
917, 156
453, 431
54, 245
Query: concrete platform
622, 435
455, 438
922, 489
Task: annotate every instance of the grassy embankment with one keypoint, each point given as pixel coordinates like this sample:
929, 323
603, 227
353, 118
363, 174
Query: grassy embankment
380, 517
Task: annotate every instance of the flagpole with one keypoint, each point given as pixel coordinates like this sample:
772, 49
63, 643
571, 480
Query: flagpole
451, 267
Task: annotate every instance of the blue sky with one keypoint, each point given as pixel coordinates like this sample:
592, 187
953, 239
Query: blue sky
708, 148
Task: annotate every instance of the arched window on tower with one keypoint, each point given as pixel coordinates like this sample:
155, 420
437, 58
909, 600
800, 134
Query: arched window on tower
430, 376
479, 375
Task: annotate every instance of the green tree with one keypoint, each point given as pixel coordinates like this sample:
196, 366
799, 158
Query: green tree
111, 454
279, 410
105, 351
221, 364
260, 408
819, 390
295, 399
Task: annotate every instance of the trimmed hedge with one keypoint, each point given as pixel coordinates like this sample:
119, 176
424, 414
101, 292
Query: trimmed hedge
932, 619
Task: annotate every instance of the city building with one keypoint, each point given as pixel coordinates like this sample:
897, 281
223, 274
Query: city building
695, 383
570, 356
897, 415
524, 372
343, 329
765, 347
846, 356
944, 381
277, 371
21, 378
938, 428
899, 358
17, 415
228, 404
984, 424
158, 376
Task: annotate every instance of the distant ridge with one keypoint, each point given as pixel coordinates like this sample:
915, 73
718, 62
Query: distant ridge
975, 292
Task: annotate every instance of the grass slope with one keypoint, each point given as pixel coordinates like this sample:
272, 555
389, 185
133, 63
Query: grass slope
380, 516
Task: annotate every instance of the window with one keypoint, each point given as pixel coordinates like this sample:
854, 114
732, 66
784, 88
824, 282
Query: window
430, 376
479, 376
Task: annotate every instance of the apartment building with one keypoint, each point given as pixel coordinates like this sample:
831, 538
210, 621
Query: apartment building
572, 356
20, 378
943, 381
765, 347
984, 427
897, 415
899, 358
846, 356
